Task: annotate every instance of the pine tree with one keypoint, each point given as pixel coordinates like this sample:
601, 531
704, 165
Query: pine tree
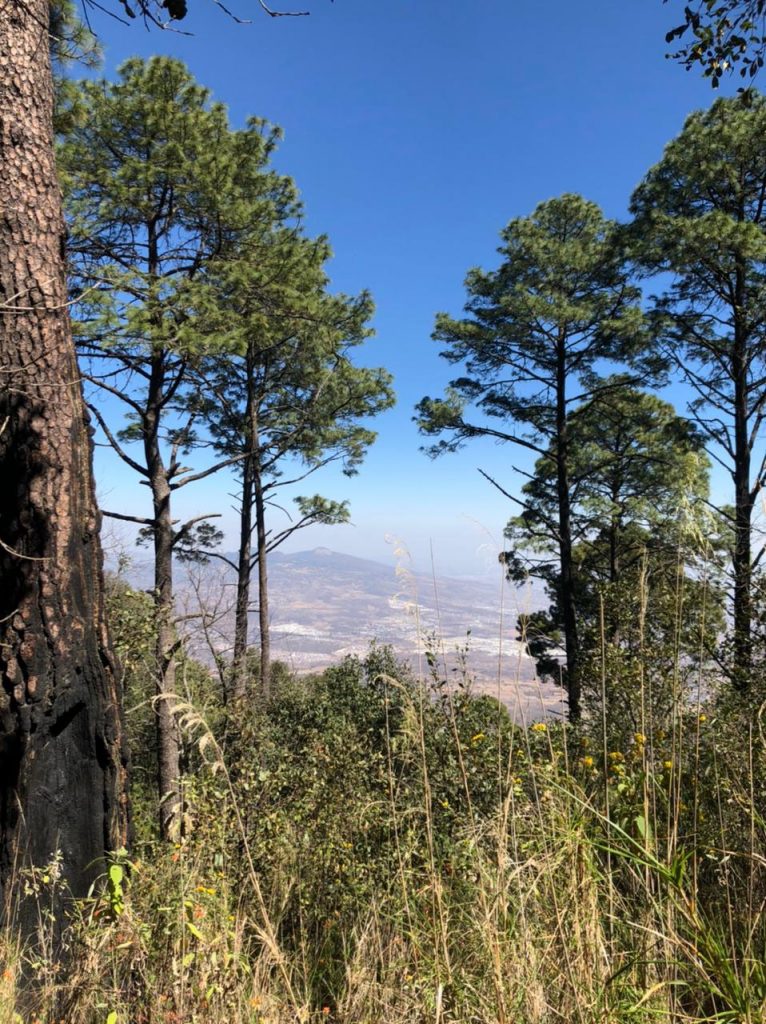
559, 304
288, 402
699, 216
58, 642
158, 187
639, 490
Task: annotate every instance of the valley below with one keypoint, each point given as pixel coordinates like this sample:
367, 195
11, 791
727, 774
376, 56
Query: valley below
325, 605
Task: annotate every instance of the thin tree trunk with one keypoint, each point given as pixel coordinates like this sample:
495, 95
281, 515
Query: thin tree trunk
168, 738
62, 745
742, 556
614, 552
568, 609
615, 567
263, 585
244, 575
245, 558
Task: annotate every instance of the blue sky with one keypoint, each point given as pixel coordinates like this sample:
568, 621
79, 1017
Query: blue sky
415, 131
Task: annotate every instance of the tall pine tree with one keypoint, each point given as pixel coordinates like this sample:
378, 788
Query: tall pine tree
158, 187
699, 216
639, 489
287, 402
560, 303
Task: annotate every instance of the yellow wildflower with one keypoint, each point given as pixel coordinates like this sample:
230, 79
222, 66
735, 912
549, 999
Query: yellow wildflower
539, 727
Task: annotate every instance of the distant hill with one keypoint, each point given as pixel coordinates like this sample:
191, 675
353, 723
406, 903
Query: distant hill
325, 605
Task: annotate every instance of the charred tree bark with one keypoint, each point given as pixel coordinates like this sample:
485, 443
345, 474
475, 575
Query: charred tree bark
62, 744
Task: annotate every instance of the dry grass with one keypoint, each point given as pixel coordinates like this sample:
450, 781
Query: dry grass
608, 884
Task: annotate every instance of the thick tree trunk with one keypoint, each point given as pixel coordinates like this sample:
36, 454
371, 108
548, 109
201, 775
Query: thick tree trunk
168, 737
62, 745
568, 609
263, 585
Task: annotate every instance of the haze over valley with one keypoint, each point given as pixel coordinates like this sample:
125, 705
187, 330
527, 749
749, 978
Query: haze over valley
325, 605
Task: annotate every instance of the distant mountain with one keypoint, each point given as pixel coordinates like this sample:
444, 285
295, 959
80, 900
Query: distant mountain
324, 605
319, 558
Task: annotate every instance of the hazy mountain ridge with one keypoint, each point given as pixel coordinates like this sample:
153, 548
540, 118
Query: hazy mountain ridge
326, 604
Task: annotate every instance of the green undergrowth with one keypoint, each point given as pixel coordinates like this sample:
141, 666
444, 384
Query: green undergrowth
371, 848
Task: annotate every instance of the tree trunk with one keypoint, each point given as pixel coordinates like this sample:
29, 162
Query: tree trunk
615, 567
62, 744
263, 585
168, 738
568, 610
744, 500
245, 559
244, 574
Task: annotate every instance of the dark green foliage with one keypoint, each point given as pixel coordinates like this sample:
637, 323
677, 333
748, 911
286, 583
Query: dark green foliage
346, 777
643, 543
287, 396
366, 799
719, 35
560, 300
71, 42
699, 217
133, 627
158, 187
539, 328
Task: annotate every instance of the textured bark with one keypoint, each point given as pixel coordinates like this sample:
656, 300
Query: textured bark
168, 737
62, 747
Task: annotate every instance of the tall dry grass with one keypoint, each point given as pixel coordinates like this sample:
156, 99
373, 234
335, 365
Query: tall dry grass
614, 876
